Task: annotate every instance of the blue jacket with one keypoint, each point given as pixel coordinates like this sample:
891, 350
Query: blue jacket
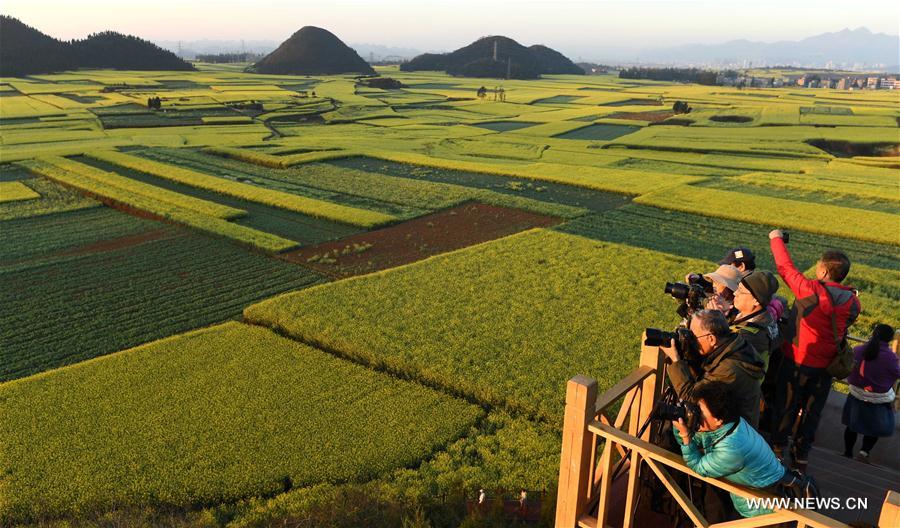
742, 457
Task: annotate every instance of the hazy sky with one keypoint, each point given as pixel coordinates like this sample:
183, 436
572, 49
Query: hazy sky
576, 27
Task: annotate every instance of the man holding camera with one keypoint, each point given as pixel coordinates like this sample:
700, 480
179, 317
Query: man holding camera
724, 357
753, 320
720, 443
823, 309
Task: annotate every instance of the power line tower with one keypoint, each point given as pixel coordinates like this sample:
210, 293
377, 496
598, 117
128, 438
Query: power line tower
495, 51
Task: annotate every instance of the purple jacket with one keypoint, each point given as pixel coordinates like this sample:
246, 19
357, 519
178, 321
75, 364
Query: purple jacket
880, 373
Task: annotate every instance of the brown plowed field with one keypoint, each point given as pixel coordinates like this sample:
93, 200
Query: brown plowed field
455, 228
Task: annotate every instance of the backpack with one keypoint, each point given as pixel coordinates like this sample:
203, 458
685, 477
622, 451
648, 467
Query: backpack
841, 365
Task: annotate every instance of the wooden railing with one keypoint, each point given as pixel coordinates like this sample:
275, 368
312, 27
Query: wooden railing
585, 475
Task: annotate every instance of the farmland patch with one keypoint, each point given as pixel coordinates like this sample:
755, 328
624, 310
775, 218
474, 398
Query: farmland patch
291, 225
537, 190
206, 417
504, 126
848, 149
599, 132
83, 306
444, 231
506, 322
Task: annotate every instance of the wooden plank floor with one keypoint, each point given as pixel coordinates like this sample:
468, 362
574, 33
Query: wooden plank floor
842, 477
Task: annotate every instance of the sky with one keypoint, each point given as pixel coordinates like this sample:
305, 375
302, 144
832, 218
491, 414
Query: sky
576, 27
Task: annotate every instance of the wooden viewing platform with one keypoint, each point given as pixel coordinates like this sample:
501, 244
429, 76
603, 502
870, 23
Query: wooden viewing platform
593, 444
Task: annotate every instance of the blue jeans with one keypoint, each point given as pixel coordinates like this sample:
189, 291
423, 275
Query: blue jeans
799, 387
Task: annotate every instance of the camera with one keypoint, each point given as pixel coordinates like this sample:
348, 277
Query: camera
692, 295
684, 410
683, 338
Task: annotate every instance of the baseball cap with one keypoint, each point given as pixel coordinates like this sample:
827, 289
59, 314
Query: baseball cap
739, 254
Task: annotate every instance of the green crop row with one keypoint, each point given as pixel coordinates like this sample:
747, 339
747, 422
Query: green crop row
873, 226
15, 191
54, 198
832, 182
128, 199
291, 202
506, 322
697, 236
48, 236
418, 196
276, 162
599, 178
206, 417
108, 179
91, 301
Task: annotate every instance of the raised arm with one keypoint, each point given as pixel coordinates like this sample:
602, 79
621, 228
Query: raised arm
800, 285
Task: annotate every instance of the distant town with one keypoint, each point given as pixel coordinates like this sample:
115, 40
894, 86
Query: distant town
832, 80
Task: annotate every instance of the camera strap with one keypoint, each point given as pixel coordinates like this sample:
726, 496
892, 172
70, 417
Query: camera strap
748, 317
730, 430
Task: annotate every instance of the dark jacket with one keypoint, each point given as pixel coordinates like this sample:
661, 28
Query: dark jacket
733, 362
757, 330
814, 343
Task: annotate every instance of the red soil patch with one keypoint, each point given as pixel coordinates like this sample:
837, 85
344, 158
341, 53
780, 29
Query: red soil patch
653, 117
118, 243
455, 228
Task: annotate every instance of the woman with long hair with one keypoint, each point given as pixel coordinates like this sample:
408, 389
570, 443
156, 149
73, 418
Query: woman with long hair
868, 410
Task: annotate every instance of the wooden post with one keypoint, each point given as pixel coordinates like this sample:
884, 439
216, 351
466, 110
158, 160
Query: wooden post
577, 445
890, 510
652, 387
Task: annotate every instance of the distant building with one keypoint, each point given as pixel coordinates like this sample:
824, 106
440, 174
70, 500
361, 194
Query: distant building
872, 83
890, 83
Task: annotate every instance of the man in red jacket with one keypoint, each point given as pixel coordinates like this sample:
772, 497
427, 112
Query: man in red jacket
803, 381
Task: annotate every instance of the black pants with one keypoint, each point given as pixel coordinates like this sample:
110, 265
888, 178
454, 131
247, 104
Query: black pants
850, 440
799, 388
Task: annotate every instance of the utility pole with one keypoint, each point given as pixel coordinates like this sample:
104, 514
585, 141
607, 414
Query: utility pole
495, 50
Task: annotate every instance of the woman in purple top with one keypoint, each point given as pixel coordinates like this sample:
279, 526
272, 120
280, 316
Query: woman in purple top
869, 407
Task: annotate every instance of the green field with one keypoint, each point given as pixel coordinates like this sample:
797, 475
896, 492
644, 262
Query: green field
409, 387
94, 301
565, 309
195, 419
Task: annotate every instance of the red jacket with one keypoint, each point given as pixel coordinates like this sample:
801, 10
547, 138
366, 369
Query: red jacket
814, 344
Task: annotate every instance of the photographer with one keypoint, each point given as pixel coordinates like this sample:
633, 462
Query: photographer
753, 320
724, 357
719, 443
823, 311
741, 258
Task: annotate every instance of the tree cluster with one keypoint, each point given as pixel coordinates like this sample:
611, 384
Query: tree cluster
226, 58
693, 75
681, 107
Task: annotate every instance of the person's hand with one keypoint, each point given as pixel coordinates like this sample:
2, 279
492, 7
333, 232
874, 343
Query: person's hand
776, 233
683, 431
670, 352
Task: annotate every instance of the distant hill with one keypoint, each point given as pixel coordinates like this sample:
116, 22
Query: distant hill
312, 51
495, 57
844, 48
125, 52
554, 62
25, 51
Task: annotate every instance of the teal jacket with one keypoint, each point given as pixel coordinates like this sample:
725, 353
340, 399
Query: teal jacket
742, 457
